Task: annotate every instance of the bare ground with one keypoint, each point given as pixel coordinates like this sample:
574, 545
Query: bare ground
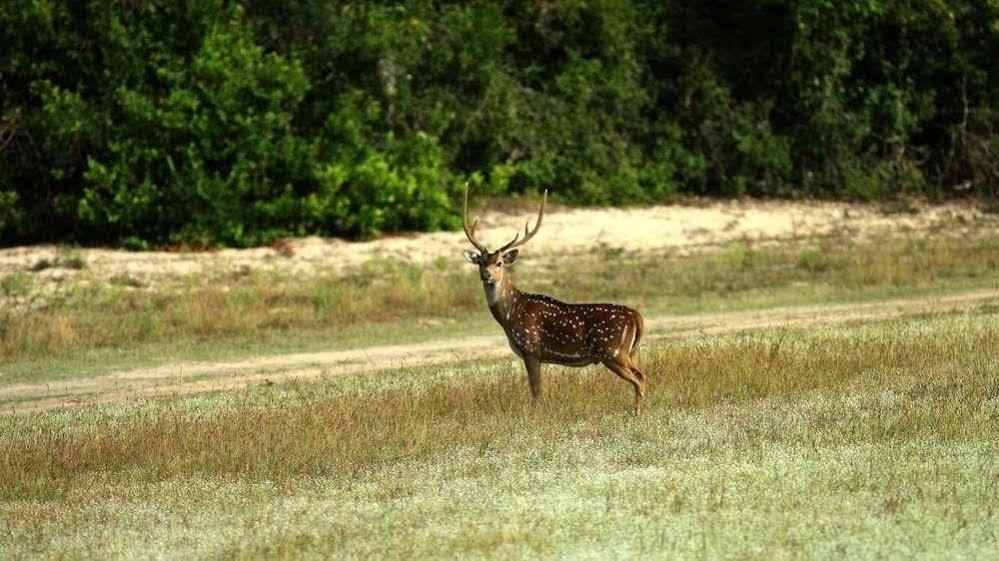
679, 228
188, 378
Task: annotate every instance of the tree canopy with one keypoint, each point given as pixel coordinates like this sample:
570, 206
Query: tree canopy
221, 122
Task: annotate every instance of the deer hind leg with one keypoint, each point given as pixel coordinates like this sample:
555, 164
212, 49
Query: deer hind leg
639, 392
623, 367
533, 365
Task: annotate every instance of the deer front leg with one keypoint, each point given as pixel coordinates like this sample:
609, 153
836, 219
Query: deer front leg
533, 365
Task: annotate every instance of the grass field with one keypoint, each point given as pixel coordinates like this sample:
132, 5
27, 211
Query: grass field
870, 439
86, 327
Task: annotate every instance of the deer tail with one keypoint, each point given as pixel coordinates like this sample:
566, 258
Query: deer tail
639, 331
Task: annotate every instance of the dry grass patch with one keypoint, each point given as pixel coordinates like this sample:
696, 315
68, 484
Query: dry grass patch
867, 441
324, 429
231, 305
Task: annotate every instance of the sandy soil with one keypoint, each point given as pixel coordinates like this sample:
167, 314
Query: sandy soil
216, 376
682, 229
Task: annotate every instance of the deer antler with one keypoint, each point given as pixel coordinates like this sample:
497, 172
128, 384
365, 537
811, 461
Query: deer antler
528, 234
470, 231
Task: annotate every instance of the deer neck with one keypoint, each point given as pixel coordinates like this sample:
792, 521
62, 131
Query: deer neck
502, 299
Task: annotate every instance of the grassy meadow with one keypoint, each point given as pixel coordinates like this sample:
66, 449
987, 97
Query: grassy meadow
862, 440
86, 326
871, 440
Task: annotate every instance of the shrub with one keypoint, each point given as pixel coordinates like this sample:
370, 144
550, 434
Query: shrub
229, 122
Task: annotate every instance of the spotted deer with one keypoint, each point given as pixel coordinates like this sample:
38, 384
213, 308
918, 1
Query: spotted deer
541, 329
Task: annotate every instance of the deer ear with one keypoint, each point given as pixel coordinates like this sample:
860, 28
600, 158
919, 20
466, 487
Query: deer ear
511, 256
473, 257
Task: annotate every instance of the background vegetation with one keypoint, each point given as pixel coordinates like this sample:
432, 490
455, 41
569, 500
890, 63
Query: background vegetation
221, 122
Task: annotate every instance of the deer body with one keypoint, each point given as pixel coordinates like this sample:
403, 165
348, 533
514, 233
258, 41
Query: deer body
567, 334
541, 329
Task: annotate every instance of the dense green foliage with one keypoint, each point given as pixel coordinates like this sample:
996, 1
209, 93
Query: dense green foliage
226, 122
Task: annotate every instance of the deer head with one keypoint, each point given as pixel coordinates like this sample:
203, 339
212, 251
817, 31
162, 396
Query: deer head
493, 265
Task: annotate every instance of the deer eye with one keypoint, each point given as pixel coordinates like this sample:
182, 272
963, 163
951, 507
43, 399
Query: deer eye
499, 263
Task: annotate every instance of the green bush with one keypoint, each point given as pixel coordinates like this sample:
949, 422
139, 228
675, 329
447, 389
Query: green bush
235, 122
215, 160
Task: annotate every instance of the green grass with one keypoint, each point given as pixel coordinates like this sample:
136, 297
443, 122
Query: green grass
16, 284
92, 327
869, 440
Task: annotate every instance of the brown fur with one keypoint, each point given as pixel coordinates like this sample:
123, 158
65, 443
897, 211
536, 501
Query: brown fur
541, 329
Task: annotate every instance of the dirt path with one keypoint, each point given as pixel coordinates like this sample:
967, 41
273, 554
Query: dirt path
187, 378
